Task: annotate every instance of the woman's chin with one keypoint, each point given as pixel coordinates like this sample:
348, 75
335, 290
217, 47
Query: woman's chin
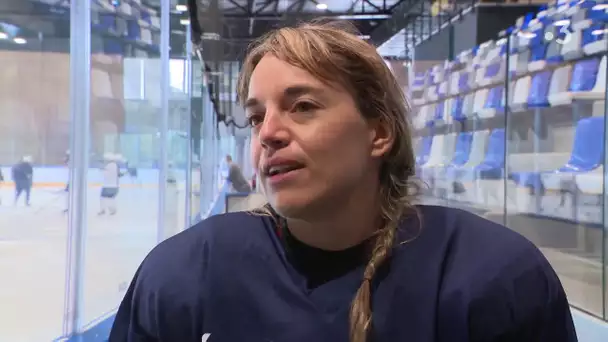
289, 205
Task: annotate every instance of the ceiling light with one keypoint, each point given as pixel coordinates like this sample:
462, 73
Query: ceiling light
184, 22
3, 35
19, 40
181, 8
322, 6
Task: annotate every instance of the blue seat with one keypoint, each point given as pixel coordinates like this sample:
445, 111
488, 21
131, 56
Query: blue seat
492, 70
107, 22
463, 82
539, 90
424, 150
492, 165
462, 150
588, 147
133, 30
587, 154
456, 109
494, 99
584, 75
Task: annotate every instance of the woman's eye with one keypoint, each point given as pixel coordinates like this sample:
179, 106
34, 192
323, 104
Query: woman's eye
304, 107
255, 120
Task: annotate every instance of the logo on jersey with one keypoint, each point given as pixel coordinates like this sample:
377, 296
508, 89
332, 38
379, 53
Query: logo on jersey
205, 337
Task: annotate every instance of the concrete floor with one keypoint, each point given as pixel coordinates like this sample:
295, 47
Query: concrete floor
33, 259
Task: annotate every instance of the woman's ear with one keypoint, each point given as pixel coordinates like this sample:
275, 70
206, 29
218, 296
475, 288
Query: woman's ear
381, 137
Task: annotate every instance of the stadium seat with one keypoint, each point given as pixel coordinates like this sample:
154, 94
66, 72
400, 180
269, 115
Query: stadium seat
559, 84
594, 37
591, 183
467, 104
456, 106
494, 73
424, 149
587, 153
442, 153
588, 82
494, 103
418, 84
462, 149
490, 166
479, 142
520, 94
537, 46
572, 47
539, 90
479, 101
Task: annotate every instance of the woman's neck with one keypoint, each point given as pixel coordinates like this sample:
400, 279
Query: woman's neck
346, 225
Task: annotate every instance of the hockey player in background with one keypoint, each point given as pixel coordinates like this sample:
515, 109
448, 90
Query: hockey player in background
23, 174
110, 186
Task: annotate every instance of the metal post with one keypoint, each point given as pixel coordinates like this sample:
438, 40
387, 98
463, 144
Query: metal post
188, 77
165, 8
80, 90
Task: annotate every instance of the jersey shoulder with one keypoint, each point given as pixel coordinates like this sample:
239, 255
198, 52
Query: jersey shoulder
495, 282
198, 246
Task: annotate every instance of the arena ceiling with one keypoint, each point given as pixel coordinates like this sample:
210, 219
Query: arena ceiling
227, 26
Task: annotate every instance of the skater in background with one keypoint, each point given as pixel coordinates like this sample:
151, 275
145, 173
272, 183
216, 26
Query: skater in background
236, 177
109, 190
23, 174
132, 171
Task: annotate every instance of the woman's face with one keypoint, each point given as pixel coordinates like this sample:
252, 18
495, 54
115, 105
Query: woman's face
310, 145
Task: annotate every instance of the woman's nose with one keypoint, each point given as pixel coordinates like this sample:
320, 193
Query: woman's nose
274, 132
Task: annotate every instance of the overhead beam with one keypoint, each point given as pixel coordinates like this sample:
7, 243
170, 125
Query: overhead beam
399, 19
282, 16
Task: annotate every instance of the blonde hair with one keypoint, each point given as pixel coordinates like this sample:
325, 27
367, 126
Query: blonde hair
332, 52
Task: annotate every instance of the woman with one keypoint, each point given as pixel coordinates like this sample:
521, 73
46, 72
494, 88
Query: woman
340, 253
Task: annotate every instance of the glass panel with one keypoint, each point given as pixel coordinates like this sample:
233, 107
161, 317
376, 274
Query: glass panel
123, 178
555, 145
35, 106
530, 90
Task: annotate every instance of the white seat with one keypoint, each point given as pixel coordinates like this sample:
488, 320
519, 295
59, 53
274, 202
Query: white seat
453, 86
420, 118
480, 100
591, 183
468, 104
520, 94
430, 113
432, 93
125, 8
560, 82
442, 153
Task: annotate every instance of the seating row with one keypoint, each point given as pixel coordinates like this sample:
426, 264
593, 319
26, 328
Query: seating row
584, 80
124, 20
467, 166
557, 34
555, 60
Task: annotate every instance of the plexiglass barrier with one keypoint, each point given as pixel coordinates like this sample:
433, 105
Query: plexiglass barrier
514, 130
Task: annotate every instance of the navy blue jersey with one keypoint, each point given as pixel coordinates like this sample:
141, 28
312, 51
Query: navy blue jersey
463, 278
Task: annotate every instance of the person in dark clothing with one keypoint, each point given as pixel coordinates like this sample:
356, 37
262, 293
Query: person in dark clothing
236, 177
340, 253
23, 174
1, 181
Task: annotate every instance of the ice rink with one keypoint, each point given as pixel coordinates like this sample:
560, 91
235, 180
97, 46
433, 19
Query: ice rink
33, 255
